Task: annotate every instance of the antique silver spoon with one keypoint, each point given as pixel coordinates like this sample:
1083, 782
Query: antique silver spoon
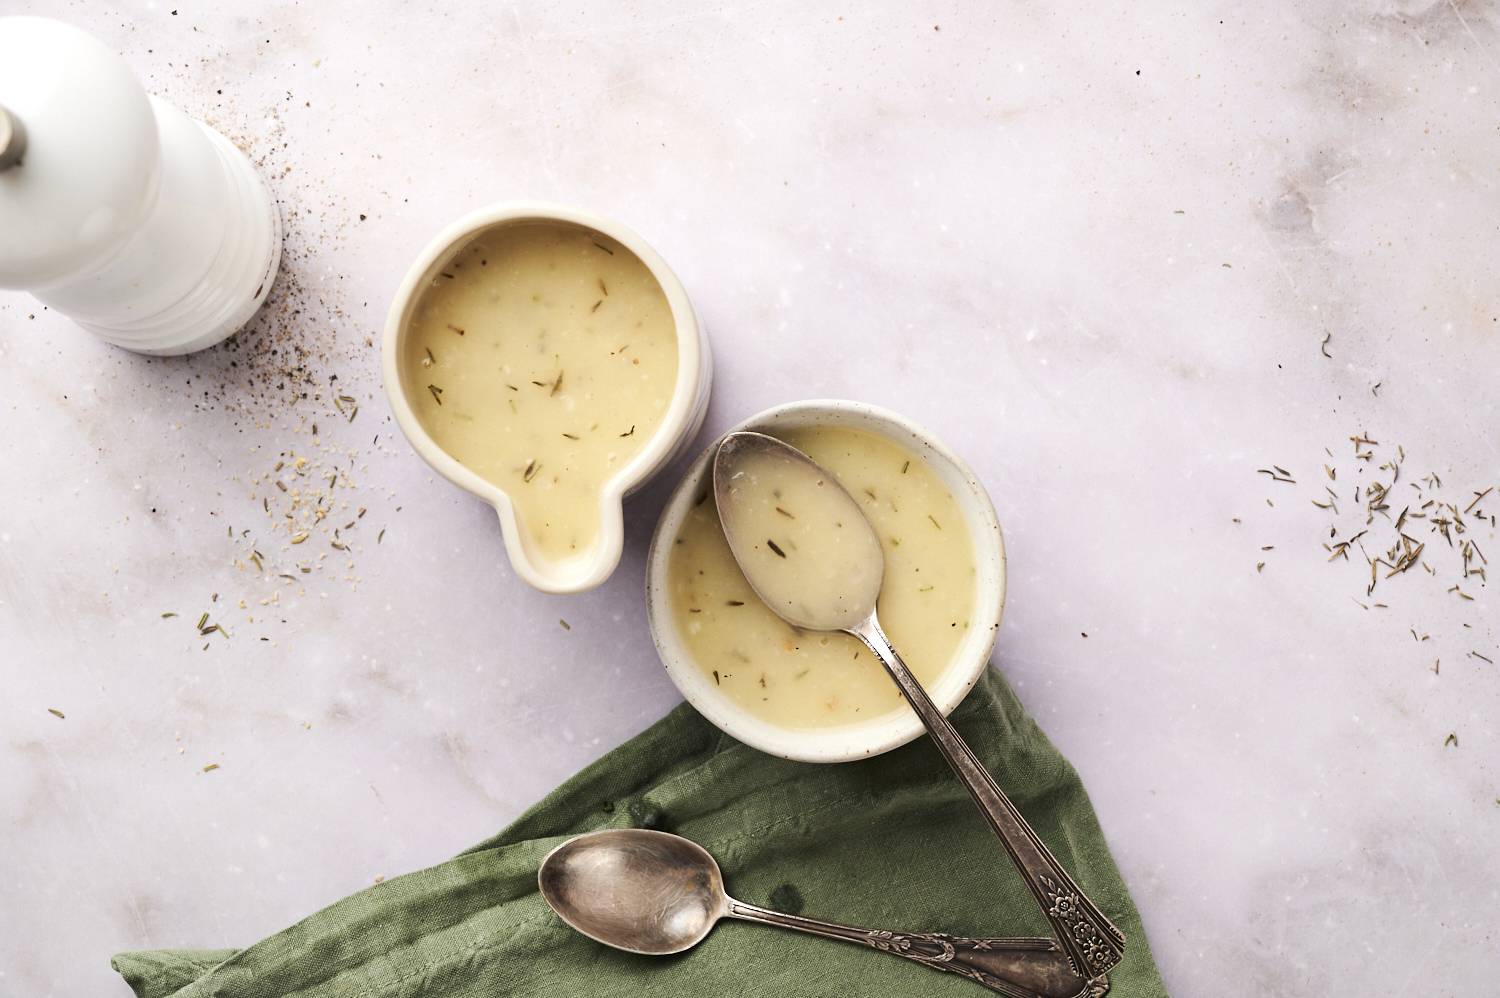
821, 569
655, 893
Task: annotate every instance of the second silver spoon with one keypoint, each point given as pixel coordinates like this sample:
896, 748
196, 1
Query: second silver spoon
656, 893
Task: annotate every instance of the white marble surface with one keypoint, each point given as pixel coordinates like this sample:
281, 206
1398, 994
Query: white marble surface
1095, 247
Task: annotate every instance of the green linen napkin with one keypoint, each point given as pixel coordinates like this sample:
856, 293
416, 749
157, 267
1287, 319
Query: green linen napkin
891, 842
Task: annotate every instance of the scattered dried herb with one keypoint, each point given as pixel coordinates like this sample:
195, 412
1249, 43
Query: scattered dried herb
1394, 522
775, 548
437, 393
57, 713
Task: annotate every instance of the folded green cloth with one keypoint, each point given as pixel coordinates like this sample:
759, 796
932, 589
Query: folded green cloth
891, 842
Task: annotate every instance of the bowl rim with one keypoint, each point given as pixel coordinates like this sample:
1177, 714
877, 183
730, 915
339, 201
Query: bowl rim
684, 411
844, 743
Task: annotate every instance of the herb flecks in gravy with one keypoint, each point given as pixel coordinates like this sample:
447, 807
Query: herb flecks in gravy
513, 352
812, 679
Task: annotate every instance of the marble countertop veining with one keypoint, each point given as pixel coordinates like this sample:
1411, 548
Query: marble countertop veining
1120, 257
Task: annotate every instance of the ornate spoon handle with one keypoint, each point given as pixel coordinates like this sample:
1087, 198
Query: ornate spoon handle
1016, 968
1090, 940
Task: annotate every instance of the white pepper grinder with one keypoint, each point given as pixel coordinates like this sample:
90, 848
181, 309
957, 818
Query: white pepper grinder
144, 226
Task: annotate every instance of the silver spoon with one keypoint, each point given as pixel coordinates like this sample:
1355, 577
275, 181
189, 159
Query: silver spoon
655, 893
824, 574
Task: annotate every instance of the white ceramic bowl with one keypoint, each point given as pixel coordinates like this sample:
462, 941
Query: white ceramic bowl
881, 734
678, 427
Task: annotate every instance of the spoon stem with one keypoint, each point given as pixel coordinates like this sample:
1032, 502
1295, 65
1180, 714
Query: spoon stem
1016, 968
1090, 940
